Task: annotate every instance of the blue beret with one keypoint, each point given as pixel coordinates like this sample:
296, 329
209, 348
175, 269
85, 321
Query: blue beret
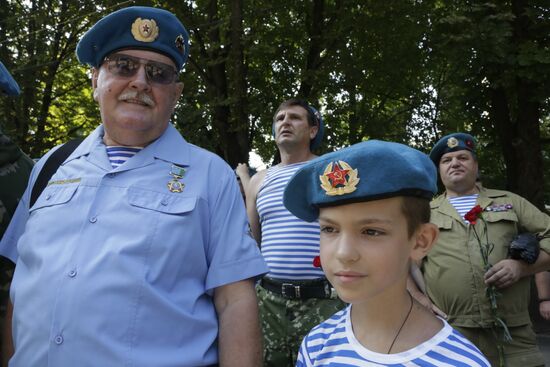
366, 171
7, 83
138, 27
452, 143
316, 141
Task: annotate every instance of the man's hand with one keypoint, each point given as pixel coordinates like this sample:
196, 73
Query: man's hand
505, 273
242, 170
544, 309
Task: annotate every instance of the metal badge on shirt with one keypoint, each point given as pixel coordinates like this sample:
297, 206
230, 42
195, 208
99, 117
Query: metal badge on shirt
499, 208
177, 173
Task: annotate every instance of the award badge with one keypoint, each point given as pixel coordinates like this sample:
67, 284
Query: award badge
177, 173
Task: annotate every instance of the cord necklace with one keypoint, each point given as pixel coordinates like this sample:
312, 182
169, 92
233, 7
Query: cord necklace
403, 324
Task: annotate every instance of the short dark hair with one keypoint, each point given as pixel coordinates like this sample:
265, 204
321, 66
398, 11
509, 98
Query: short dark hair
311, 118
416, 211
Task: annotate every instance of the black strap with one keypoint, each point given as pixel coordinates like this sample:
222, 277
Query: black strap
304, 289
50, 167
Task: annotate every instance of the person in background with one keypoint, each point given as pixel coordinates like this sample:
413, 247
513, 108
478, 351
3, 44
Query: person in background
295, 295
454, 271
137, 252
15, 168
372, 202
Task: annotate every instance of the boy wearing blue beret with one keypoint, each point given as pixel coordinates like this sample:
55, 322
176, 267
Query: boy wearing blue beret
372, 201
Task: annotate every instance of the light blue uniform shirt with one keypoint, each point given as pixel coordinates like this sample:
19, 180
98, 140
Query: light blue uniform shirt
113, 269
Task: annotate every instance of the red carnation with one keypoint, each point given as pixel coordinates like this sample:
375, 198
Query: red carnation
473, 215
317, 261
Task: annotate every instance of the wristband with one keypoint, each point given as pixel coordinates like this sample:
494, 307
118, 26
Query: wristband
543, 300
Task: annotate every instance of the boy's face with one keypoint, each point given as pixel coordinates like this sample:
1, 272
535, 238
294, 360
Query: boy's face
365, 249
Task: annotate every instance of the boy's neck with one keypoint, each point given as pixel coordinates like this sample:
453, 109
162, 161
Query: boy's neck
389, 319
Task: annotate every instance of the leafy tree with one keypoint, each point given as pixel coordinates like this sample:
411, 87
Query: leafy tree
493, 58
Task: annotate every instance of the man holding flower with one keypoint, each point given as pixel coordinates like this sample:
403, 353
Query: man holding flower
469, 273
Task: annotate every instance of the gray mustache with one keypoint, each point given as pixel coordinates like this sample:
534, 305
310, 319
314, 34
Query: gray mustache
141, 97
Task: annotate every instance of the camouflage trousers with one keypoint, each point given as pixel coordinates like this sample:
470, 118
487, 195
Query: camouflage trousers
285, 322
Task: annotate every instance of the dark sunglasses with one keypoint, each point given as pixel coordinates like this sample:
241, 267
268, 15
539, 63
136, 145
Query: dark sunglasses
126, 66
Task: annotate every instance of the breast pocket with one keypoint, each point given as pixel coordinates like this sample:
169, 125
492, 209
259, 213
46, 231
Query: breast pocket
55, 195
502, 228
507, 216
442, 222
170, 226
159, 202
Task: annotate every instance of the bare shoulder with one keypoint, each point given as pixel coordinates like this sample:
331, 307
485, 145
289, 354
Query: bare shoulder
256, 181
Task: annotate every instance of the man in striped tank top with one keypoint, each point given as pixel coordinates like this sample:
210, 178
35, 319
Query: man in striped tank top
453, 270
294, 296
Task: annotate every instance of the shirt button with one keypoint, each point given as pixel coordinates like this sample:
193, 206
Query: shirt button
93, 219
58, 340
111, 175
164, 202
72, 273
48, 197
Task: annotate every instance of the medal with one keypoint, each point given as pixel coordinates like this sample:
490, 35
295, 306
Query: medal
177, 173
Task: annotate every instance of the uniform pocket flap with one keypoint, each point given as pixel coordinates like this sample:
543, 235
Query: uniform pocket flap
498, 216
442, 222
55, 195
165, 203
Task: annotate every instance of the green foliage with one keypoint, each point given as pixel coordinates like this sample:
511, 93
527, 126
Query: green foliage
407, 71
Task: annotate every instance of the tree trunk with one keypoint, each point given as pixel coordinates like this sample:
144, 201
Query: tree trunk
519, 133
239, 144
315, 23
217, 74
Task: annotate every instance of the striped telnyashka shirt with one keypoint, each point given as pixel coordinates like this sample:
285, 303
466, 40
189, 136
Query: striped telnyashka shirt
118, 154
288, 244
463, 204
333, 343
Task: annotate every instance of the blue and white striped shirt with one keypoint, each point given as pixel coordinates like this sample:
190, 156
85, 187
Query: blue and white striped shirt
288, 244
120, 154
332, 343
463, 204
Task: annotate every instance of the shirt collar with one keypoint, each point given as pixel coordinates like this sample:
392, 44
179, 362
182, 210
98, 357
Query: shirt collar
170, 146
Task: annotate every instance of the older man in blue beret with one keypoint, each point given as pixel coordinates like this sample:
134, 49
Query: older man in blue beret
137, 252
470, 216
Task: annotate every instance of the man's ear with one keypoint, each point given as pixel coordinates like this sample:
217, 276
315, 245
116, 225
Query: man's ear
179, 90
95, 75
313, 130
425, 238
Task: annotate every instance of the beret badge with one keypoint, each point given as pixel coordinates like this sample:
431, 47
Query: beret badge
145, 30
339, 178
180, 43
452, 142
